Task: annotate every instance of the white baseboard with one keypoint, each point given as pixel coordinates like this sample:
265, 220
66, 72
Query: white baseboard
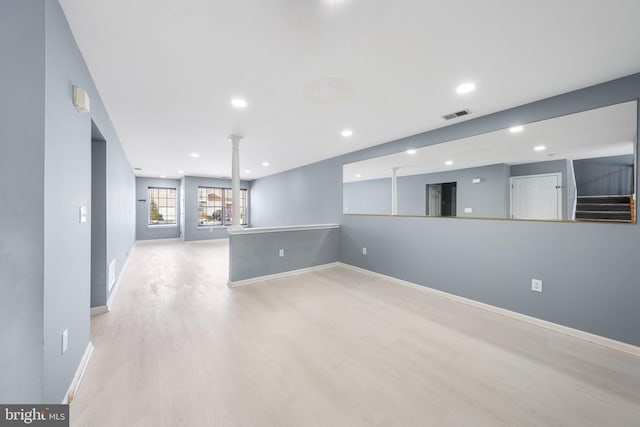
77, 378
279, 275
575, 333
99, 310
114, 290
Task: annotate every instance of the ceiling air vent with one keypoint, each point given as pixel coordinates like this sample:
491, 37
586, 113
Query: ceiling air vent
456, 114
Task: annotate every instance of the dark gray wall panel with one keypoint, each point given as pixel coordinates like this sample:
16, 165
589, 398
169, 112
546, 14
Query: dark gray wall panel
22, 80
98, 223
257, 254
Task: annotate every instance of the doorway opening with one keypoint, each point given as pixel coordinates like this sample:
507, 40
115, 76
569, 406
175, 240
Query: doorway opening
441, 199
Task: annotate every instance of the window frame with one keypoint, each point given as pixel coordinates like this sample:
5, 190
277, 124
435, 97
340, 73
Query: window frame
175, 206
226, 195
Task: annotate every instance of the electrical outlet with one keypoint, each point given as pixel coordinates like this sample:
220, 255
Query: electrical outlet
468, 210
65, 341
536, 285
364, 251
281, 252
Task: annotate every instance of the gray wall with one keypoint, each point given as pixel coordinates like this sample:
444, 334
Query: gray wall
489, 198
254, 255
22, 79
604, 176
589, 270
48, 144
98, 221
191, 229
552, 166
145, 231
310, 194
372, 196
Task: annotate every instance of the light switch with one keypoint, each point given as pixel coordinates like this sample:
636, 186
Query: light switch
83, 214
468, 210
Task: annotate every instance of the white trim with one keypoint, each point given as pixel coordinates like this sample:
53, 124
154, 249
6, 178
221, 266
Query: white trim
575, 333
258, 230
99, 310
77, 377
191, 242
114, 289
260, 279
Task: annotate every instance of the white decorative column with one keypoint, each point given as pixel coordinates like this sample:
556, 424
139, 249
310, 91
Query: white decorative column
235, 181
394, 191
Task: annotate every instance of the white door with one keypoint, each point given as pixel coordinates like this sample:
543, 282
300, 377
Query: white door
537, 196
435, 200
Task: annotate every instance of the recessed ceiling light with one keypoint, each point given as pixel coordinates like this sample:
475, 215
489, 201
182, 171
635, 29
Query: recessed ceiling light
194, 155
540, 148
238, 102
411, 151
265, 163
162, 176
448, 162
180, 171
516, 129
466, 88
247, 171
358, 175
346, 133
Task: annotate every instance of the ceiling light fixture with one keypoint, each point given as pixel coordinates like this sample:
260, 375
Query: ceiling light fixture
540, 148
238, 102
247, 171
411, 151
448, 162
346, 133
265, 164
194, 155
180, 171
516, 129
162, 176
358, 175
466, 88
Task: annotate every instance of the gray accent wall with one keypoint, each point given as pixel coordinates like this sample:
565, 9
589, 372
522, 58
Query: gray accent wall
46, 169
144, 231
193, 231
590, 271
257, 254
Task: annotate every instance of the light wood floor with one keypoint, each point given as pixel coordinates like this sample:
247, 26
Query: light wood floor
331, 348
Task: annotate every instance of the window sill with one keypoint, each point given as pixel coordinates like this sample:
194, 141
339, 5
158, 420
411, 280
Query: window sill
162, 225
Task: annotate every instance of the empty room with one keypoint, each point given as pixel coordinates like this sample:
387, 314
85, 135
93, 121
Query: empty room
319, 213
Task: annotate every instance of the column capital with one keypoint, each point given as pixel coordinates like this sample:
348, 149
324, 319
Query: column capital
235, 138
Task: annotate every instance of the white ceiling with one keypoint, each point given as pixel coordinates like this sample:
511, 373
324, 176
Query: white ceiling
167, 70
607, 131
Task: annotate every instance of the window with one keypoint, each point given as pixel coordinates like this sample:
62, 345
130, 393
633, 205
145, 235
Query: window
162, 206
215, 206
